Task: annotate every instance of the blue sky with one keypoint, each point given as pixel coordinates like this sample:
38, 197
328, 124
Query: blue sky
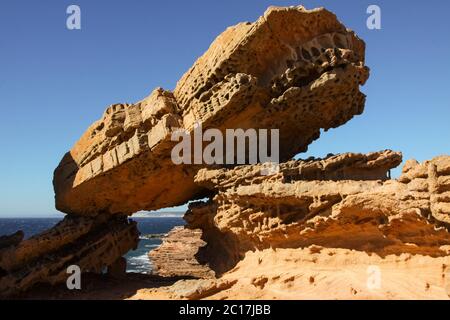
54, 82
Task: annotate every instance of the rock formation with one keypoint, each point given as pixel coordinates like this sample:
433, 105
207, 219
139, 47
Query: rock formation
91, 243
177, 255
254, 211
322, 221
262, 233
320, 273
344, 201
275, 73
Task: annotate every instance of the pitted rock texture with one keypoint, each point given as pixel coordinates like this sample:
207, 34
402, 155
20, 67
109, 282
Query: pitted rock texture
293, 69
265, 233
430, 181
344, 201
347, 166
92, 243
108, 169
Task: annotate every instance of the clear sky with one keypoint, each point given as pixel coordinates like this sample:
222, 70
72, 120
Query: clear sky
55, 82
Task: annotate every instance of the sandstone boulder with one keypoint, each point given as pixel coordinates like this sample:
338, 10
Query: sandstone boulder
276, 73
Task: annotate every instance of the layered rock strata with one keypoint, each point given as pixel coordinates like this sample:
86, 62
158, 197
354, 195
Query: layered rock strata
91, 243
266, 233
177, 255
293, 69
344, 201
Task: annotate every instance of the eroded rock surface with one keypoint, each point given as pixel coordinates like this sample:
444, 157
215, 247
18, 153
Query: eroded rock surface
276, 73
317, 272
91, 243
320, 228
333, 273
343, 201
284, 233
176, 256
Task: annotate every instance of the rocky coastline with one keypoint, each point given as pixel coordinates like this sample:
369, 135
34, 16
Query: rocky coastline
318, 228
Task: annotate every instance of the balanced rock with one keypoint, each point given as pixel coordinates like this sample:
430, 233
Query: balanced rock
295, 70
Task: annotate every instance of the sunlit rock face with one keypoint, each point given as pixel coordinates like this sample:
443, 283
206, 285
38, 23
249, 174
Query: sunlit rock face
345, 201
293, 69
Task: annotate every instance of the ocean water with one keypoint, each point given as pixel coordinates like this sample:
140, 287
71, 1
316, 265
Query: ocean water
151, 229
